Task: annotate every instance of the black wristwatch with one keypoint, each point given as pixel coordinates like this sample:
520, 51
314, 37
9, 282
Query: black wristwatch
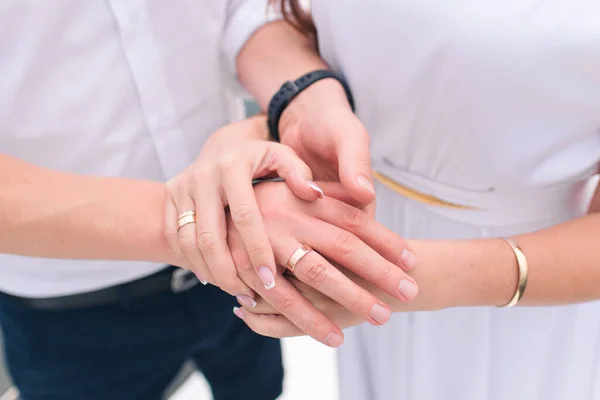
290, 89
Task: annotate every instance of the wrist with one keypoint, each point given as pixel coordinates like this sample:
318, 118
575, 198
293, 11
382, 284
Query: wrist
464, 273
257, 127
324, 94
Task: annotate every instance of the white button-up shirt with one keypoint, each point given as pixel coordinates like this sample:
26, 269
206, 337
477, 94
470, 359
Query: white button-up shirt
128, 88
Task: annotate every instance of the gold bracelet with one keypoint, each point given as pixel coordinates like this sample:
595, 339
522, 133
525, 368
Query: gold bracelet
523, 271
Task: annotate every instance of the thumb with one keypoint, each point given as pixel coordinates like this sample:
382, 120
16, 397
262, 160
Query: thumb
297, 175
354, 164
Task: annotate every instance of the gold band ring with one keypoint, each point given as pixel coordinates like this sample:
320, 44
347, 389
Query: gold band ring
188, 217
297, 256
186, 214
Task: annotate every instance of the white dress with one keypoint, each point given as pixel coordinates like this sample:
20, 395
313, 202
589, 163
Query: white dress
492, 104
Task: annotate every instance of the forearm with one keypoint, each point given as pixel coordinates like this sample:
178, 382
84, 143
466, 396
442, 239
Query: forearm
564, 268
276, 53
45, 213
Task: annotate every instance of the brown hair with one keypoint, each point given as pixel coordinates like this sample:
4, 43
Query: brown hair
296, 15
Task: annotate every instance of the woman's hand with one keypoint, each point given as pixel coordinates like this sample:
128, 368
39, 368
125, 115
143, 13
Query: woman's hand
222, 177
321, 128
338, 233
265, 320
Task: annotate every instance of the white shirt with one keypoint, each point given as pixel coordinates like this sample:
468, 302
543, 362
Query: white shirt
478, 103
128, 88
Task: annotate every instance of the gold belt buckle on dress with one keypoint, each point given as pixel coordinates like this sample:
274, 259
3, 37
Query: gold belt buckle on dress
414, 194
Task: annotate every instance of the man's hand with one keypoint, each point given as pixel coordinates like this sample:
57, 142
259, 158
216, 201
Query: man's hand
340, 235
266, 320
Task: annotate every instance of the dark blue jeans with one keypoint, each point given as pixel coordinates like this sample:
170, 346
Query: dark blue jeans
132, 350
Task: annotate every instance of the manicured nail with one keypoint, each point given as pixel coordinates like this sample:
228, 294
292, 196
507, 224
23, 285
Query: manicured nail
334, 339
408, 258
202, 280
364, 182
316, 188
246, 300
238, 312
408, 289
266, 277
380, 314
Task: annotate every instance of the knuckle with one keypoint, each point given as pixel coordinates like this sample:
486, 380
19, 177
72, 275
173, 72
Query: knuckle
207, 241
389, 241
354, 217
360, 303
245, 268
385, 273
169, 233
187, 242
228, 162
316, 274
344, 243
303, 322
256, 252
244, 215
284, 303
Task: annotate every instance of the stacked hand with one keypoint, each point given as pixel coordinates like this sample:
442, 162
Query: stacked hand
338, 234
222, 177
274, 227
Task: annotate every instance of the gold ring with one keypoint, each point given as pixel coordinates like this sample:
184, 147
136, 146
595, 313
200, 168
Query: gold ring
186, 219
297, 256
186, 214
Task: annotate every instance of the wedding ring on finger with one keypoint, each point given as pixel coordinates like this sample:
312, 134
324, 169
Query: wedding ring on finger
297, 256
188, 217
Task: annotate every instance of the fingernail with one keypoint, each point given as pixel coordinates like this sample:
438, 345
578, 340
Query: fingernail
316, 188
364, 182
201, 279
266, 277
238, 312
246, 300
408, 258
380, 314
408, 289
334, 339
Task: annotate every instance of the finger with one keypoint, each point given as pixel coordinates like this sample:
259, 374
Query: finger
260, 306
211, 239
354, 160
288, 301
338, 192
385, 242
296, 173
349, 251
319, 274
171, 234
370, 208
246, 216
187, 239
276, 326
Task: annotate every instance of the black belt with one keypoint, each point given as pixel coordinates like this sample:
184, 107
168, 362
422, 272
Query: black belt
172, 279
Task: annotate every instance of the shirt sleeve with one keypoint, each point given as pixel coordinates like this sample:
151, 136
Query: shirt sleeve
244, 17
